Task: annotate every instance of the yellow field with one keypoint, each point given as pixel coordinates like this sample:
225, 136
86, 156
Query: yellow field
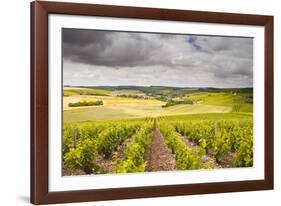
108, 101
120, 108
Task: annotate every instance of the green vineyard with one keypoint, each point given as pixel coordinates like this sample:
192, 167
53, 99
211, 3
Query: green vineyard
127, 146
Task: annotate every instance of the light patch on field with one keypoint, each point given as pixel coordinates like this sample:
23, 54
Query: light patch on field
131, 102
107, 101
70, 88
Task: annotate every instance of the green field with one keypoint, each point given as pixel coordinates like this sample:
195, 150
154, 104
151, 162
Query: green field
211, 116
241, 101
83, 91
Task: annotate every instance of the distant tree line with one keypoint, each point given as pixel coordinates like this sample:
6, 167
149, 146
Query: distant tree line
175, 102
133, 96
85, 103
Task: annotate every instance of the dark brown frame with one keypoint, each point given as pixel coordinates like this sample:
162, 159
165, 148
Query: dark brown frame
39, 102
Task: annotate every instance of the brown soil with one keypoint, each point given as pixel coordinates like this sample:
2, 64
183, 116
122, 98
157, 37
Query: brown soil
159, 156
228, 161
207, 162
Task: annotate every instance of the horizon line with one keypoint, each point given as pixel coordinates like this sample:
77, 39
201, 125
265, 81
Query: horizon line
161, 86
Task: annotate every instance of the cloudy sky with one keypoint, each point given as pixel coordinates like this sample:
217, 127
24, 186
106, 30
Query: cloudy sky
99, 58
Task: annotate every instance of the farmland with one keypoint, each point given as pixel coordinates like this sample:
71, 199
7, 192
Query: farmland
147, 129
120, 103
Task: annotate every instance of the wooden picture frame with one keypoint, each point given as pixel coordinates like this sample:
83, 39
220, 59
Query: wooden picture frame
40, 193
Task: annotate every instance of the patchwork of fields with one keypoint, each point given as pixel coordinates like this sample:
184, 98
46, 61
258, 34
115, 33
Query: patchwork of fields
123, 109
116, 107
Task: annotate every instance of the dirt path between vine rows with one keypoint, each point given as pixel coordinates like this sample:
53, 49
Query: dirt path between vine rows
159, 157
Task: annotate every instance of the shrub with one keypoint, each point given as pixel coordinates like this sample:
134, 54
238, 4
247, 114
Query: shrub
85, 103
82, 157
170, 103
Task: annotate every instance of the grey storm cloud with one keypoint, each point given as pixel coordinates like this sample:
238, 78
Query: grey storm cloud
108, 48
92, 57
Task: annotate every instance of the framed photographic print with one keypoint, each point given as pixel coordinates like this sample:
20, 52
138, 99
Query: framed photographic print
131, 102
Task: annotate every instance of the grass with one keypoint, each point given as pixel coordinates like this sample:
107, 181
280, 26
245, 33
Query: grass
211, 116
93, 114
77, 91
195, 117
194, 109
224, 99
